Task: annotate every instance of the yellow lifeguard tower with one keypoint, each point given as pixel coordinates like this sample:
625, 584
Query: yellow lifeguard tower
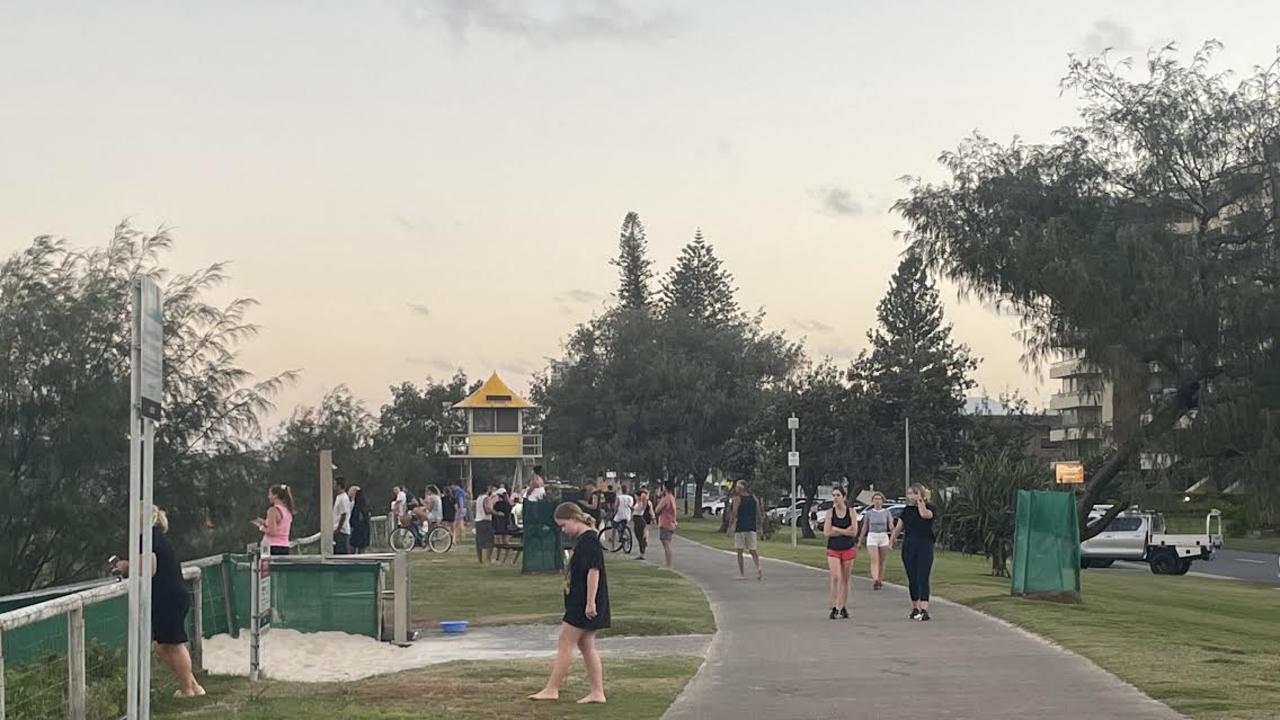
495, 417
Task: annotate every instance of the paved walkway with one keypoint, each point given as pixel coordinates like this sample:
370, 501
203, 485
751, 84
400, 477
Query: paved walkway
776, 655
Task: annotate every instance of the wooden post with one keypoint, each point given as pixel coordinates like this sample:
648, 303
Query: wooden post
1, 675
197, 642
326, 502
75, 664
400, 611
233, 629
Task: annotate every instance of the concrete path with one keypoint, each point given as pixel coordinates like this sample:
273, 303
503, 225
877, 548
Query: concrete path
776, 655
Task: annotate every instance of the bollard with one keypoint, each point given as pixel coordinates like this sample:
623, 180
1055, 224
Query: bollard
401, 610
197, 642
75, 663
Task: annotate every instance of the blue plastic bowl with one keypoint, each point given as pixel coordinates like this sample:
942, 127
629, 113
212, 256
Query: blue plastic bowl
453, 627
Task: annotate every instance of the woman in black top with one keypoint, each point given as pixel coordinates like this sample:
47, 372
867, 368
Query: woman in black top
586, 606
916, 527
169, 606
841, 529
360, 523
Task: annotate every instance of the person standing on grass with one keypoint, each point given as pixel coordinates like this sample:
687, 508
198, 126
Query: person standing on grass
341, 517
460, 515
641, 519
916, 527
744, 515
484, 526
537, 486
876, 523
586, 606
449, 510
666, 512
360, 521
622, 512
841, 530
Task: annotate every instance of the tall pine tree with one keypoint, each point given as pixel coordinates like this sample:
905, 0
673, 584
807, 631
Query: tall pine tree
915, 371
697, 286
634, 267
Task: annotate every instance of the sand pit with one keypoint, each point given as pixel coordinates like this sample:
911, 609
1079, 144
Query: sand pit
334, 656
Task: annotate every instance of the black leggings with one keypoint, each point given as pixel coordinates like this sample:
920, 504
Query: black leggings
638, 524
917, 558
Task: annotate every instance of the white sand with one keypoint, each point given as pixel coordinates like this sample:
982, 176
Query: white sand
334, 656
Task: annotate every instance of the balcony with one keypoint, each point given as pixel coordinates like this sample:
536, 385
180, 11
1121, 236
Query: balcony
1072, 434
1075, 367
495, 445
1077, 399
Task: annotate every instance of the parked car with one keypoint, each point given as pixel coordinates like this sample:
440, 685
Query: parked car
783, 514
712, 507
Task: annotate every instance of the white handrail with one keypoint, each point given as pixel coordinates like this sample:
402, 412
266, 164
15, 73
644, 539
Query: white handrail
75, 601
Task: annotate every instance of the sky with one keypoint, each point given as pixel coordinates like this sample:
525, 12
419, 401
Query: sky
414, 186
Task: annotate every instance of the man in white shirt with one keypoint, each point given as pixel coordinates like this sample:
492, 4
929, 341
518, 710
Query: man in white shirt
341, 517
622, 513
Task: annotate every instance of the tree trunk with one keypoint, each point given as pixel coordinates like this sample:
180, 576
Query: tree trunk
1104, 473
806, 530
697, 495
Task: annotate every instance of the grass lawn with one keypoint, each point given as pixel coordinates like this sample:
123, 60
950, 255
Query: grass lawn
1263, 544
1208, 648
638, 688
644, 600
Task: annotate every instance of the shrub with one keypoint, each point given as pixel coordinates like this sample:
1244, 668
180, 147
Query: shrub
978, 517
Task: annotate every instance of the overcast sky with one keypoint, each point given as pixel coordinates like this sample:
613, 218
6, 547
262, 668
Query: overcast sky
414, 186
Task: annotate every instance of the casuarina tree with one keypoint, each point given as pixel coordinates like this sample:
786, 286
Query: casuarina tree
699, 287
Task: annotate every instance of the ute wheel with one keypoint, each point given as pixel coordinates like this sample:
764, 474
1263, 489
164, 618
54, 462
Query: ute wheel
1164, 563
1103, 563
1085, 563
1184, 565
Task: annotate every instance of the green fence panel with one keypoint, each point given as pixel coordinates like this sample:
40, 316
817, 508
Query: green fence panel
1046, 547
543, 548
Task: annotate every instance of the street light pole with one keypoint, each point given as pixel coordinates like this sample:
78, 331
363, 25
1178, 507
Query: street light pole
793, 460
906, 462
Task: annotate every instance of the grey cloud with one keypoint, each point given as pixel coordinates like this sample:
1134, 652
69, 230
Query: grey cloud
435, 363
812, 325
834, 200
420, 309
554, 23
405, 224
1107, 34
516, 367
579, 296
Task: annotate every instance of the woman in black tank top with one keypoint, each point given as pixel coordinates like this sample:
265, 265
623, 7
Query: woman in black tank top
841, 529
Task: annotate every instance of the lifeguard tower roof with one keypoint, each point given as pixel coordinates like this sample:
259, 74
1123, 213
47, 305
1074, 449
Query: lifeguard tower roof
494, 394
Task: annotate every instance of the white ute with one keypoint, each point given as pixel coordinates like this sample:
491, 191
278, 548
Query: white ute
1139, 536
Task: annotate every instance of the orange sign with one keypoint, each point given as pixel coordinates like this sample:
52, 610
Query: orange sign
1069, 473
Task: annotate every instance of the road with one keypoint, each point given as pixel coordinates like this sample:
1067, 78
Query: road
776, 655
1232, 564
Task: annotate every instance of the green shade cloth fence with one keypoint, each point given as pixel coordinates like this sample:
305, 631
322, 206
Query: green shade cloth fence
1046, 546
309, 598
543, 547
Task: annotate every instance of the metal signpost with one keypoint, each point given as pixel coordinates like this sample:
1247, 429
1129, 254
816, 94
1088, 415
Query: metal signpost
906, 460
793, 461
146, 399
259, 607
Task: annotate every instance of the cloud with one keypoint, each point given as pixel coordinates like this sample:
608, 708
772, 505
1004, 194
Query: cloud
1107, 34
579, 296
834, 200
435, 363
516, 367
812, 326
556, 22
420, 309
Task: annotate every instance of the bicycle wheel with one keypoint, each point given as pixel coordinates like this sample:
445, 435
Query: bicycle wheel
440, 539
401, 539
627, 539
611, 539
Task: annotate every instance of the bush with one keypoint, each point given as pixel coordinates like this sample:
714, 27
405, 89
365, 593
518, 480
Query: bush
978, 517
770, 526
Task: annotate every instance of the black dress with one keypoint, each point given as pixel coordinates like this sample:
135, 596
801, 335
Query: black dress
359, 528
587, 555
169, 600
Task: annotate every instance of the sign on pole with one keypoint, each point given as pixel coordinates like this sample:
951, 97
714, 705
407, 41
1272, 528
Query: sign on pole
793, 459
1068, 473
145, 403
259, 607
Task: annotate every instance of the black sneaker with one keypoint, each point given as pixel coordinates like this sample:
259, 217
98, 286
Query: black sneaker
924, 616
915, 614
844, 613
834, 613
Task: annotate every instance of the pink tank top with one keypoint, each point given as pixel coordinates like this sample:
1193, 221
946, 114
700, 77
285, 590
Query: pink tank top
280, 538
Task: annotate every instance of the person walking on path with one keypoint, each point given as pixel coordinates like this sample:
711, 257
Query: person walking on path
841, 529
667, 521
641, 519
916, 527
360, 522
876, 522
279, 519
341, 517
586, 606
744, 516
623, 505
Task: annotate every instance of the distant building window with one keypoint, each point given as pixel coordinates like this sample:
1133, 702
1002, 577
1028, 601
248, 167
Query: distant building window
483, 421
495, 420
508, 420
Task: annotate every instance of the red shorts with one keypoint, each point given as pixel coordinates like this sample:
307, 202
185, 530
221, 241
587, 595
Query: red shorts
844, 555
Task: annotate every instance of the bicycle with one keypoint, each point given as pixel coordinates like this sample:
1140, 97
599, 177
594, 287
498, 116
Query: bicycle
617, 536
438, 539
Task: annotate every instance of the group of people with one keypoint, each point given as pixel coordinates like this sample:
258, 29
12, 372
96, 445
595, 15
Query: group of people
617, 507
879, 532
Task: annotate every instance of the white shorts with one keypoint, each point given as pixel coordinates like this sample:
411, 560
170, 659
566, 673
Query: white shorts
878, 539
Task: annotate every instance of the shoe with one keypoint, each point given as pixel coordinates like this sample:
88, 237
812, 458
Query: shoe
834, 613
877, 585
641, 557
915, 614
924, 616
844, 613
